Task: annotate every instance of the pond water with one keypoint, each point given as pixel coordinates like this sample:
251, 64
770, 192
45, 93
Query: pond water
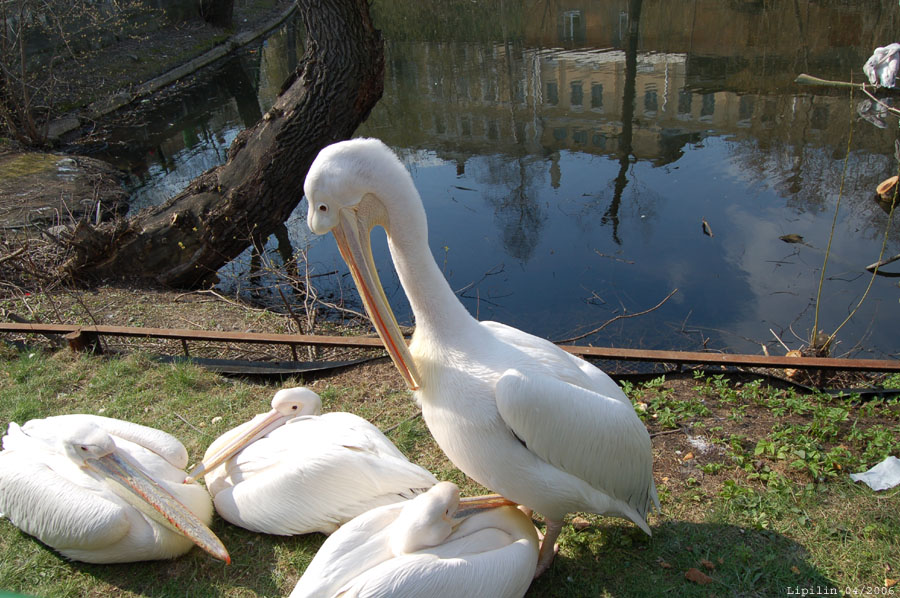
582, 161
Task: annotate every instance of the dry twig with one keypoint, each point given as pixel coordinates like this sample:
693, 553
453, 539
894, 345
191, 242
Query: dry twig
618, 317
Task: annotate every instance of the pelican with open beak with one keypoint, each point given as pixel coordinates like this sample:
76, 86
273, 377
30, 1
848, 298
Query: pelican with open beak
102, 490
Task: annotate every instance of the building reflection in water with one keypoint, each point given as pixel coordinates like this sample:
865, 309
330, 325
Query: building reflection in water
567, 152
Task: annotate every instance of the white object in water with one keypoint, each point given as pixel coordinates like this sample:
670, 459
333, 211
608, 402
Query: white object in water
881, 67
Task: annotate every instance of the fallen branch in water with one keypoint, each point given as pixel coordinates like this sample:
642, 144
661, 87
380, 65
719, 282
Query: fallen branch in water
875, 267
618, 317
804, 79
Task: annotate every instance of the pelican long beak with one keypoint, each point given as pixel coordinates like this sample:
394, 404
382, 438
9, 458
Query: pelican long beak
470, 505
352, 236
128, 481
257, 427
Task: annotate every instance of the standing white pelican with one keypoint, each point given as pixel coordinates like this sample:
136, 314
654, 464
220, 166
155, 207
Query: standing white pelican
294, 471
427, 547
102, 490
514, 412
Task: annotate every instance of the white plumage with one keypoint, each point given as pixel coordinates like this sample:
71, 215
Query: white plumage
881, 67
294, 471
514, 412
77, 483
425, 548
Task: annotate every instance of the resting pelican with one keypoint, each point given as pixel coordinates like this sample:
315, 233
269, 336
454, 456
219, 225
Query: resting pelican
514, 412
426, 547
293, 471
102, 490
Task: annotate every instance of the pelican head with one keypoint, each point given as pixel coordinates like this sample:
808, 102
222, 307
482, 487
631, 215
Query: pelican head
287, 404
86, 444
297, 401
95, 452
429, 519
346, 189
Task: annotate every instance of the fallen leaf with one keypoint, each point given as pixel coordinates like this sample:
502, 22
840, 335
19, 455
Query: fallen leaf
664, 564
688, 457
697, 576
890, 583
795, 570
791, 238
707, 564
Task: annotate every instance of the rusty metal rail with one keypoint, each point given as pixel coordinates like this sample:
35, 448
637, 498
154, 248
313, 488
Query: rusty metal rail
738, 360
80, 337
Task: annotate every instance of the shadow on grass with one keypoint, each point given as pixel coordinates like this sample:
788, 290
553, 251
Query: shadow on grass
255, 562
621, 561
614, 560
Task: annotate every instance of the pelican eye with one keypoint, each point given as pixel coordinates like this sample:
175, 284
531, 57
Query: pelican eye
323, 208
294, 407
84, 448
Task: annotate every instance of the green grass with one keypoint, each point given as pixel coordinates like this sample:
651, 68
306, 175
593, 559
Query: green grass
767, 507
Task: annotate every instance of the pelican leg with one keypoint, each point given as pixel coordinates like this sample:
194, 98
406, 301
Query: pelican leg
549, 548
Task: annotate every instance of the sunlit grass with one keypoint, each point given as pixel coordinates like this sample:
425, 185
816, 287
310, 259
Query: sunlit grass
768, 507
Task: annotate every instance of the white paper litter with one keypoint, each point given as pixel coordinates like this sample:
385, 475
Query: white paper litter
881, 477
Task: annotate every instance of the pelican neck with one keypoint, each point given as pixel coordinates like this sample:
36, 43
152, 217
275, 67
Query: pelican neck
434, 304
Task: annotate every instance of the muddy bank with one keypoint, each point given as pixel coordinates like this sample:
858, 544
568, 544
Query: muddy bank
49, 189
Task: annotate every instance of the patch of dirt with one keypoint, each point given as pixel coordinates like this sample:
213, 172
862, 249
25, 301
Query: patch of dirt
156, 307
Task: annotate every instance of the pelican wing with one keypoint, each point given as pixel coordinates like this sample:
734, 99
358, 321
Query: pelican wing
487, 562
163, 444
289, 489
593, 437
50, 507
351, 429
563, 364
355, 547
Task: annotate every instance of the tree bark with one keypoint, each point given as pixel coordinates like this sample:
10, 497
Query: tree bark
185, 241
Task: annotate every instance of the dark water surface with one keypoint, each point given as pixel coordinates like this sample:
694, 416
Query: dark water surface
568, 154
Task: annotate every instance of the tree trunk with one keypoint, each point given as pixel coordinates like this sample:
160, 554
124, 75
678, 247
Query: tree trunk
185, 241
217, 12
